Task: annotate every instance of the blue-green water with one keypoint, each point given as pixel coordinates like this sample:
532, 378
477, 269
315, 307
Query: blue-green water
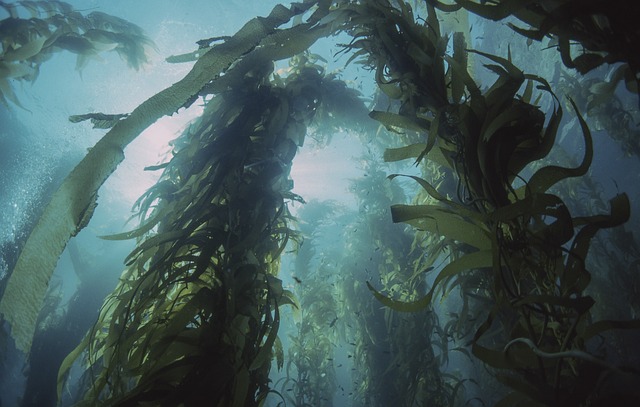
39, 146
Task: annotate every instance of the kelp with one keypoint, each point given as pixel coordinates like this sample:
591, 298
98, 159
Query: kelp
523, 240
603, 29
53, 26
201, 291
195, 317
310, 368
72, 205
395, 356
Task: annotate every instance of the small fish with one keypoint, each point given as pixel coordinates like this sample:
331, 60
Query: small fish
297, 279
333, 322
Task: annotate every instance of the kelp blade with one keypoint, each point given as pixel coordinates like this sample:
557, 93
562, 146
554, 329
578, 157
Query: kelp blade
71, 206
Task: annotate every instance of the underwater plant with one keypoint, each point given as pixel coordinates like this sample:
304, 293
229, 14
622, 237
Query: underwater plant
603, 29
515, 235
394, 355
195, 317
35, 30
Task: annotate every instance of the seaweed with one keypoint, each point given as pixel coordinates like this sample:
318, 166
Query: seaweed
604, 30
195, 317
54, 26
523, 239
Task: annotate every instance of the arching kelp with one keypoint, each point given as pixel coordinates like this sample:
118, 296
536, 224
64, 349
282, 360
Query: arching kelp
195, 317
72, 205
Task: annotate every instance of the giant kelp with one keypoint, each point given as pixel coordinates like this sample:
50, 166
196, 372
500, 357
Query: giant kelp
73, 203
196, 315
35, 30
604, 29
520, 237
394, 355
200, 299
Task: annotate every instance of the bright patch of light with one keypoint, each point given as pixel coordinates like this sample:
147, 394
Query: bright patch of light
150, 148
325, 174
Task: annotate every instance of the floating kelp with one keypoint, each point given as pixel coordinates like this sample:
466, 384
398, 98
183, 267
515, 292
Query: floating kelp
54, 26
99, 120
195, 317
602, 28
516, 235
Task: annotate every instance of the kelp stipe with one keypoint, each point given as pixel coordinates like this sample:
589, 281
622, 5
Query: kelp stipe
72, 205
520, 238
196, 317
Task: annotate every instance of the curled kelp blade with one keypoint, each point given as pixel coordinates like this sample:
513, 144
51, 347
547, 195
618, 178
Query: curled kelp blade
99, 120
70, 207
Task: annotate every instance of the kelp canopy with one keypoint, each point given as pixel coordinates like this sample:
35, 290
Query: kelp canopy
35, 30
195, 318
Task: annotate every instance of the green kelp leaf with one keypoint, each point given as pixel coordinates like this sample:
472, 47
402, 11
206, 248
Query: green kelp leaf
576, 277
479, 259
395, 120
478, 104
417, 151
65, 213
558, 231
99, 120
444, 222
68, 361
402, 153
433, 192
142, 229
588, 61
548, 176
528, 92
266, 350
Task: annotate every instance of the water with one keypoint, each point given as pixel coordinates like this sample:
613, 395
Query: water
342, 347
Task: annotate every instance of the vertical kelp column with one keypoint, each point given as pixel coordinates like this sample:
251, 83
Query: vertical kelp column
521, 238
393, 353
310, 375
196, 314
